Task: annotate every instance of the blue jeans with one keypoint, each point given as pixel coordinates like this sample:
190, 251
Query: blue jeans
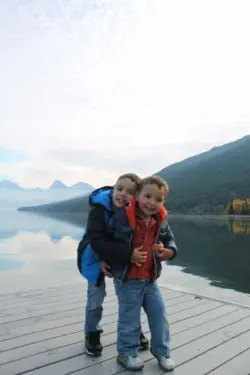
132, 296
95, 297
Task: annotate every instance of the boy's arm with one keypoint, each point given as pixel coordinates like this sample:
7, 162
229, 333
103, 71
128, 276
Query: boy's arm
105, 248
167, 249
169, 241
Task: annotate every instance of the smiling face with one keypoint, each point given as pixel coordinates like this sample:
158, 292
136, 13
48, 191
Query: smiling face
124, 190
150, 199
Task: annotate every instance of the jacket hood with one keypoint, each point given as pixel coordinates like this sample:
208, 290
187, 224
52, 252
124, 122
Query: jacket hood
102, 196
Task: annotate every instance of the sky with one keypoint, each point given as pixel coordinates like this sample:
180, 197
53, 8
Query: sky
90, 89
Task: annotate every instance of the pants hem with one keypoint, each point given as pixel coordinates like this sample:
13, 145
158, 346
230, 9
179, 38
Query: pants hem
166, 354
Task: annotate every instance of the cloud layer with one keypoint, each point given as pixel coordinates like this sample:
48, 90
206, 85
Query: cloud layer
91, 89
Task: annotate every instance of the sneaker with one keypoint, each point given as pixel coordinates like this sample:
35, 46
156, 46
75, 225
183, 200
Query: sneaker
144, 344
93, 344
130, 363
165, 363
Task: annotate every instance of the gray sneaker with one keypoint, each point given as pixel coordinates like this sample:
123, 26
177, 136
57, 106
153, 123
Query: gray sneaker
130, 363
165, 363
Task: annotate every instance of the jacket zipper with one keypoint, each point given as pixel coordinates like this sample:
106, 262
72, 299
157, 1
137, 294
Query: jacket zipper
147, 230
153, 251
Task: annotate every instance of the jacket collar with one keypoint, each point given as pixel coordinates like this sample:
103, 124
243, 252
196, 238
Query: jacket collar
130, 212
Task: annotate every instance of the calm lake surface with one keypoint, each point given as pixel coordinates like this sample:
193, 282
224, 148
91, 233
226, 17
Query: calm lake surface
213, 259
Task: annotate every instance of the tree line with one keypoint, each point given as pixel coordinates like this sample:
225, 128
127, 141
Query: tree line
239, 207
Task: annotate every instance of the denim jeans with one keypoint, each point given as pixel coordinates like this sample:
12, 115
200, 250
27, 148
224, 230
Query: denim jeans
132, 296
95, 297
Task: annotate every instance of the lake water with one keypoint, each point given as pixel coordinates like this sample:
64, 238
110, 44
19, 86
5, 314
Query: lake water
213, 259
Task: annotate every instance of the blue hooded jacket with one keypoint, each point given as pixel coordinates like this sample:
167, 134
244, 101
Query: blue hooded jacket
87, 259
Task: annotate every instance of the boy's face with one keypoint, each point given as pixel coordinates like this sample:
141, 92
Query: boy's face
150, 199
124, 190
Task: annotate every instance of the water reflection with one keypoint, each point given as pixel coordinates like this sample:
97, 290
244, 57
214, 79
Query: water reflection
14, 223
215, 249
239, 226
38, 251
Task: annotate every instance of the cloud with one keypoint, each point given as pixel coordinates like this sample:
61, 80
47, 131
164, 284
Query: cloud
91, 89
11, 156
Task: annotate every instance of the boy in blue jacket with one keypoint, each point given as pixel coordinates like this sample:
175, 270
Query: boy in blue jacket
104, 202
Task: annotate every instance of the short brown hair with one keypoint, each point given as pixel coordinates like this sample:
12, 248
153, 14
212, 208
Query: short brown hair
154, 180
131, 176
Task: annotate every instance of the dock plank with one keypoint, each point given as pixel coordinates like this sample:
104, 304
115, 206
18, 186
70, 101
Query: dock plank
217, 356
78, 362
42, 294
44, 335
26, 338
74, 350
26, 350
51, 310
208, 342
27, 326
45, 296
27, 306
80, 295
239, 365
183, 356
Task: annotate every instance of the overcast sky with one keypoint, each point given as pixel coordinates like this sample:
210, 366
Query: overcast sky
91, 89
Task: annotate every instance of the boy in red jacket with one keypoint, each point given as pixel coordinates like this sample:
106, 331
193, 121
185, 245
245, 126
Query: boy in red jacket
143, 224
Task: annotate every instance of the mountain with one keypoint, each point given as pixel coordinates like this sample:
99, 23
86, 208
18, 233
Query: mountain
13, 196
203, 183
6, 184
82, 185
57, 184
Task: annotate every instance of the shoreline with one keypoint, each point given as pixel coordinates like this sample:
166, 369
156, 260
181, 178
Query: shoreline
176, 214
210, 216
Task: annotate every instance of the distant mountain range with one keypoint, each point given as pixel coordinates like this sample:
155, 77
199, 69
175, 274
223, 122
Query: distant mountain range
57, 184
13, 195
204, 183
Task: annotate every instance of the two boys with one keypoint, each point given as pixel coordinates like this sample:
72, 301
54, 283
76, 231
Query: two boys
137, 238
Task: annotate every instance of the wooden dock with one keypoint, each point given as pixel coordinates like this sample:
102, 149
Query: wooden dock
41, 333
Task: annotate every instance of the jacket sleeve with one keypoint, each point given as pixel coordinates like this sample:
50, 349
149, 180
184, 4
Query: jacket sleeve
102, 244
169, 240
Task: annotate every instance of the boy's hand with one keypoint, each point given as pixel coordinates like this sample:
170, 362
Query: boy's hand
163, 253
106, 269
158, 248
139, 256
